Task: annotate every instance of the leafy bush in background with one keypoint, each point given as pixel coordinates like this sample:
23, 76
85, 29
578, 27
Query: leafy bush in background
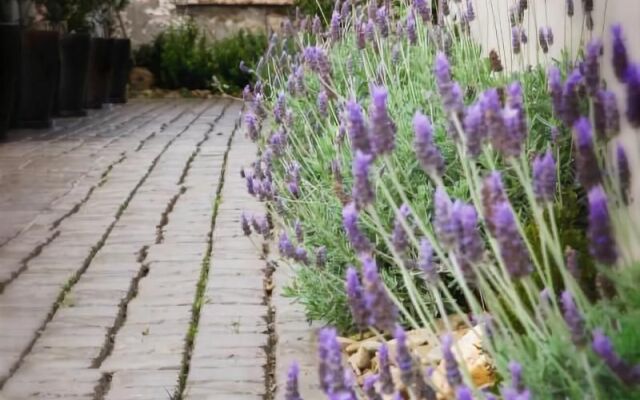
184, 57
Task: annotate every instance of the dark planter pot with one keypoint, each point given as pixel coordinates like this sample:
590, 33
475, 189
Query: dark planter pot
74, 66
99, 73
120, 67
38, 79
9, 54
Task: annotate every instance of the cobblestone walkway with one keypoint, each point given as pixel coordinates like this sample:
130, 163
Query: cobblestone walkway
123, 271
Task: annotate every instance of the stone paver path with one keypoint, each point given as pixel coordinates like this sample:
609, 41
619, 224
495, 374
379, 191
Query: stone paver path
123, 270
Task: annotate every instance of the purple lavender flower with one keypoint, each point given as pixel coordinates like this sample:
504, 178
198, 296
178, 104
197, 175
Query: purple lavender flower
515, 40
620, 59
297, 228
544, 177
294, 189
382, 128
573, 319
443, 222
516, 391
335, 26
384, 366
632, 79
454, 378
247, 94
425, 262
427, 153
492, 194
603, 245
474, 129
291, 389
449, 91
285, 246
443, 8
627, 373
356, 300
463, 393
250, 189
404, 359
244, 221
278, 141
513, 251
606, 114
399, 235
382, 20
370, 30
469, 245
421, 7
251, 121
512, 141
411, 29
570, 8
331, 371
470, 14
587, 164
571, 98
357, 127
323, 103
555, 89
592, 66
362, 192
624, 173
369, 388
542, 40
321, 257
523, 37
383, 312
492, 114
345, 10
350, 222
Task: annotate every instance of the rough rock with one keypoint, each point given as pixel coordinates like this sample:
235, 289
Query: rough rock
141, 79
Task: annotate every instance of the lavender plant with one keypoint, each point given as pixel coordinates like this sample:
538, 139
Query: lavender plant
456, 204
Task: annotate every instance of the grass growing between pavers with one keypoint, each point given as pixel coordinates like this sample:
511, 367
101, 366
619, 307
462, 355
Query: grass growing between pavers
199, 298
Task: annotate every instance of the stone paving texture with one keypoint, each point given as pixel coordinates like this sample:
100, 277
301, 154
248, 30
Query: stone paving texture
123, 271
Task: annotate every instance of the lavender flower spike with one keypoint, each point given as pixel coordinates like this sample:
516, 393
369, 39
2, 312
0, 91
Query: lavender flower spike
633, 95
425, 262
513, 251
555, 89
386, 382
589, 173
356, 300
573, 319
383, 312
463, 393
330, 360
244, 221
285, 246
624, 173
382, 128
602, 346
474, 129
571, 98
335, 26
469, 244
404, 359
399, 235
450, 91
516, 391
603, 245
291, 389
369, 387
444, 225
426, 151
544, 177
357, 127
620, 57
592, 66
363, 193
350, 222
454, 378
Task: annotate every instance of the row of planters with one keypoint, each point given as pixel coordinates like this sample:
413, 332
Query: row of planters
55, 67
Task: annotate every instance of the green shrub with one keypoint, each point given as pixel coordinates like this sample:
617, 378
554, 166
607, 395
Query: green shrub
227, 55
184, 57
